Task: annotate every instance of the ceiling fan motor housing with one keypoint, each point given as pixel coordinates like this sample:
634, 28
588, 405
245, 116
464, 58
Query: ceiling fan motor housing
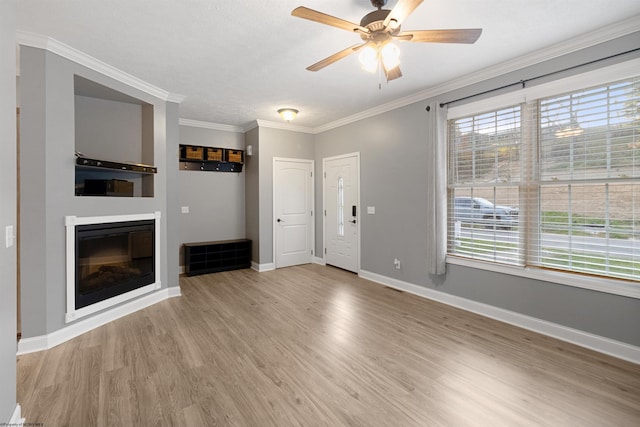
374, 21
379, 3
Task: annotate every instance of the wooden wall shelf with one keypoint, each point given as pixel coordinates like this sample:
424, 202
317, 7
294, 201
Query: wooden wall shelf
119, 166
210, 159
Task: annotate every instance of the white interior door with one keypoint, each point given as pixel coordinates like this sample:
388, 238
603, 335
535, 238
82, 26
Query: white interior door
342, 211
293, 211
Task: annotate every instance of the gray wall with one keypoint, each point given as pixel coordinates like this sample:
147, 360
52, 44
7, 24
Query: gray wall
104, 127
47, 179
393, 179
172, 210
251, 193
8, 312
275, 143
215, 199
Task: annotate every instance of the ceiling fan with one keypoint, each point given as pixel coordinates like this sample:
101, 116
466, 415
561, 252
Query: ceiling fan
378, 29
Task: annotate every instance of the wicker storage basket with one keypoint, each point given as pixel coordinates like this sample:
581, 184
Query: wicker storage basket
214, 154
193, 153
235, 156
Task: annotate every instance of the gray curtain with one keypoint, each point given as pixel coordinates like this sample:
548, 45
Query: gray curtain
436, 188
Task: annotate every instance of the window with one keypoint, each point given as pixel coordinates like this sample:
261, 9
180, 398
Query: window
550, 184
484, 176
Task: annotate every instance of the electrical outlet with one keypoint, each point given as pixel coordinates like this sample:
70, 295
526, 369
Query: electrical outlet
396, 263
185, 209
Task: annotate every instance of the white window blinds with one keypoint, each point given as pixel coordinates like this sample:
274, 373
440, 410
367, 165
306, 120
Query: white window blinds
589, 190
484, 176
551, 183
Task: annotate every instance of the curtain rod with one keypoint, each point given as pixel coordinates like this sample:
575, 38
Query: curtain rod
524, 82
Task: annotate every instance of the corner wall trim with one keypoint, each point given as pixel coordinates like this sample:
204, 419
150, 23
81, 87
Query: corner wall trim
261, 268
45, 342
16, 417
318, 260
583, 339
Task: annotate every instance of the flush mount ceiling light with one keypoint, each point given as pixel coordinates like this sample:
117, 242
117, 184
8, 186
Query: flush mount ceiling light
288, 113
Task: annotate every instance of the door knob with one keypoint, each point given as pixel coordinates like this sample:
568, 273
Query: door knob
279, 220
353, 221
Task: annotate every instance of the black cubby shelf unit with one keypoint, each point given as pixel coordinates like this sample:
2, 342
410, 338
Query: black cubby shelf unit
211, 159
212, 257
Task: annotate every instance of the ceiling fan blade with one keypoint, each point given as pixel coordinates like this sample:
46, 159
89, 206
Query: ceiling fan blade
335, 57
323, 18
403, 37
468, 36
400, 11
393, 73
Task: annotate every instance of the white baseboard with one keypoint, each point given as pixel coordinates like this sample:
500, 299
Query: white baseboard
45, 342
16, 419
260, 268
318, 260
584, 339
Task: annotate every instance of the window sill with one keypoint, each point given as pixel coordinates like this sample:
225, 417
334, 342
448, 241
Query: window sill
611, 286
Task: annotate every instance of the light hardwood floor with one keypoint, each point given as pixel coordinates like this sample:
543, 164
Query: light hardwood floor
317, 346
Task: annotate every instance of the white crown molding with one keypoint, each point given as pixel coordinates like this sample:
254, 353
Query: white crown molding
210, 125
243, 129
24, 38
252, 125
598, 343
284, 126
610, 32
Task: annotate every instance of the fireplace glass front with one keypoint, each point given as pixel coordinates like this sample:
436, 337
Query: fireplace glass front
112, 259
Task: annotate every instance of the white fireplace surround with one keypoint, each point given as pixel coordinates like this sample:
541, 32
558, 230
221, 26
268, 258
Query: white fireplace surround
70, 223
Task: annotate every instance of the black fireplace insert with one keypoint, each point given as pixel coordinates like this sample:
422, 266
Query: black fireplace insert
112, 259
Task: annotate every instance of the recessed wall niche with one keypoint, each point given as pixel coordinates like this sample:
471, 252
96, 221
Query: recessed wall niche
113, 142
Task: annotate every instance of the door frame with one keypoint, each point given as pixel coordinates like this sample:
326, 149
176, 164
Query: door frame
359, 204
273, 204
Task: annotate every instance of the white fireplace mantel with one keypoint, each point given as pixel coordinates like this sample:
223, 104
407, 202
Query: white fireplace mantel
70, 223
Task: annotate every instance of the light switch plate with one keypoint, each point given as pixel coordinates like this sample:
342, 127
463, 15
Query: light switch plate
371, 210
9, 236
185, 209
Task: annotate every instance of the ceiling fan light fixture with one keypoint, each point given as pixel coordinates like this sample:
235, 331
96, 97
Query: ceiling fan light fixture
377, 29
288, 114
369, 59
390, 55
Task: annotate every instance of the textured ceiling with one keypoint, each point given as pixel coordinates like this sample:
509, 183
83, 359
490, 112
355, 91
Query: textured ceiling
239, 61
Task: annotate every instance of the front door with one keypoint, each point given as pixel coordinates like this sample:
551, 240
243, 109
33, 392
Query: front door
342, 211
293, 211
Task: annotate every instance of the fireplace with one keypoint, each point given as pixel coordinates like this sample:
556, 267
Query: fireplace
110, 260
